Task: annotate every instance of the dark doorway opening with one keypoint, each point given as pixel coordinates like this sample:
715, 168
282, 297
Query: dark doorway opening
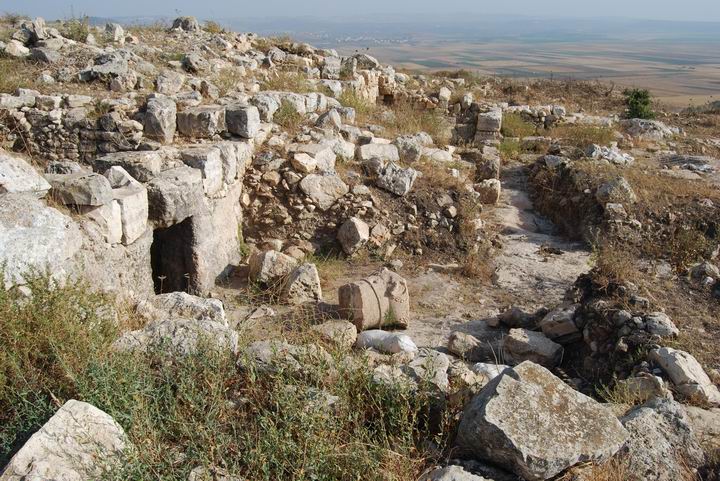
173, 266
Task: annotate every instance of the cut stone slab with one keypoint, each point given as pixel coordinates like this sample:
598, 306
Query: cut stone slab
17, 176
686, 374
175, 195
524, 345
80, 189
530, 422
384, 152
79, 442
35, 237
160, 121
303, 285
270, 266
141, 165
134, 211
353, 235
381, 299
490, 121
180, 337
243, 120
324, 190
208, 160
201, 122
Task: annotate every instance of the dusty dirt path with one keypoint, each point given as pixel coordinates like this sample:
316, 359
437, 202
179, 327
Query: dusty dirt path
535, 262
534, 268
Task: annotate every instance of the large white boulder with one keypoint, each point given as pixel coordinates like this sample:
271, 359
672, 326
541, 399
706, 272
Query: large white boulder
530, 422
180, 337
78, 443
324, 190
525, 345
270, 266
35, 237
303, 285
686, 374
160, 121
385, 342
17, 176
662, 445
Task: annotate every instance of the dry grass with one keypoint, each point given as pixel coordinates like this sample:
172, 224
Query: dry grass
264, 44
614, 264
581, 136
364, 109
402, 118
509, 149
17, 73
408, 119
655, 189
515, 125
617, 393
287, 82
616, 469
438, 176
228, 80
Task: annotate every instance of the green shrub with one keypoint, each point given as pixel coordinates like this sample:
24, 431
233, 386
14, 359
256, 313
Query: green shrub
76, 29
514, 125
213, 27
46, 342
509, 149
287, 116
202, 410
639, 104
258, 425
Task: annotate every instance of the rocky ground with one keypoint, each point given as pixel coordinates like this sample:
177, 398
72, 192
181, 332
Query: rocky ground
232, 257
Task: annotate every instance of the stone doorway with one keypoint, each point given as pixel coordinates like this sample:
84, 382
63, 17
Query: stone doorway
173, 263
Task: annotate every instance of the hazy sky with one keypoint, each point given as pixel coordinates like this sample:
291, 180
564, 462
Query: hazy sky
705, 10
